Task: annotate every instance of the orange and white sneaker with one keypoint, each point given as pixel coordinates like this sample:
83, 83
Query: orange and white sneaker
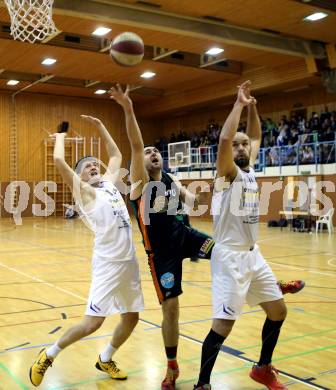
268, 376
171, 376
291, 287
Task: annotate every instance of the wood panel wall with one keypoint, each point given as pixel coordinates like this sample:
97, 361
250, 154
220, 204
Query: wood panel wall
34, 112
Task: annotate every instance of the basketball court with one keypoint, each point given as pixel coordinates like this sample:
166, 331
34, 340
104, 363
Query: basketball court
45, 258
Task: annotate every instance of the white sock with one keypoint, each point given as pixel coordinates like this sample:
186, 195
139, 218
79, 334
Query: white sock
53, 351
108, 352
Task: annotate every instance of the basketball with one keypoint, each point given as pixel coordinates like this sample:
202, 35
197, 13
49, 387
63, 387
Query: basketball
127, 49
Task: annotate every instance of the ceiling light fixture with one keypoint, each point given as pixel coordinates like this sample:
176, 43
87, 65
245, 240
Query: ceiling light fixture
101, 31
316, 16
148, 75
13, 82
49, 61
100, 91
214, 51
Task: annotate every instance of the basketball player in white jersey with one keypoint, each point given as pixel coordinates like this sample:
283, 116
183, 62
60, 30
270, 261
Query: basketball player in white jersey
239, 271
115, 286
167, 239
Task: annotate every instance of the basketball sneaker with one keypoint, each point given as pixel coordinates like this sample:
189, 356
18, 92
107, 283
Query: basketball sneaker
172, 374
203, 387
39, 367
267, 375
111, 368
291, 287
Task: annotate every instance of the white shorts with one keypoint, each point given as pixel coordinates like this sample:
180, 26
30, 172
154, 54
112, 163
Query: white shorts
115, 288
239, 277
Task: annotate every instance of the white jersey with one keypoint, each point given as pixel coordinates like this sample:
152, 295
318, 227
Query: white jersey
236, 211
108, 218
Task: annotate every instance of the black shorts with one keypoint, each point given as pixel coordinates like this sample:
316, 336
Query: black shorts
166, 267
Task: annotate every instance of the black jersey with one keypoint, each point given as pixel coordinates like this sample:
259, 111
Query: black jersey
157, 212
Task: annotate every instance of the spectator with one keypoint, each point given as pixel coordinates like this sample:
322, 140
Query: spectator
307, 155
173, 138
291, 155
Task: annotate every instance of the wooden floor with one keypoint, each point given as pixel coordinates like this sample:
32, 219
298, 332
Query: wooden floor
45, 277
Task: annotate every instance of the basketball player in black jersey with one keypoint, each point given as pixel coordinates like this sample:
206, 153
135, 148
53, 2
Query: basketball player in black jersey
156, 197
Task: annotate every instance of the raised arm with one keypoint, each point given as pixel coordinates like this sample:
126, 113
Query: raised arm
138, 173
81, 191
68, 175
112, 149
253, 130
226, 166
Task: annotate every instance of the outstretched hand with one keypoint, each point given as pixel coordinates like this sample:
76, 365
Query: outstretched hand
92, 120
244, 96
120, 96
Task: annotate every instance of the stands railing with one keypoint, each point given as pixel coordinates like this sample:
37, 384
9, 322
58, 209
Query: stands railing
204, 157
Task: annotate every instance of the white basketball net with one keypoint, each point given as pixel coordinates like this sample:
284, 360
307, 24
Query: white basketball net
31, 20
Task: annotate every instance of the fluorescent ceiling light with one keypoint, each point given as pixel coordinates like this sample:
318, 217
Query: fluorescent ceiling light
13, 82
214, 51
148, 75
316, 16
101, 31
49, 61
100, 91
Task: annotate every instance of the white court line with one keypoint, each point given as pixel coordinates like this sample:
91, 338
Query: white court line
331, 262
42, 281
144, 322
301, 269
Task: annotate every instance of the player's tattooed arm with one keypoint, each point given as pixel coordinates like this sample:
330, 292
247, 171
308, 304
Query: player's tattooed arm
226, 166
112, 149
138, 172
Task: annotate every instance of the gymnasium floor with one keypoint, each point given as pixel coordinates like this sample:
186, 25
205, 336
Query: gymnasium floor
45, 276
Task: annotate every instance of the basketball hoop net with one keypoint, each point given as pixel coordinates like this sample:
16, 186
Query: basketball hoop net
31, 20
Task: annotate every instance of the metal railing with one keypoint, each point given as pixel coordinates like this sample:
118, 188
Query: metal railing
204, 157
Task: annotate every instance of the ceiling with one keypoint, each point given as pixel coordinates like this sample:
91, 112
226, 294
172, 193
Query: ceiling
183, 26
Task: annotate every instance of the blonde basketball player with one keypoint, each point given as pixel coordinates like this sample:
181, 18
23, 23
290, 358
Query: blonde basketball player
239, 271
115, 286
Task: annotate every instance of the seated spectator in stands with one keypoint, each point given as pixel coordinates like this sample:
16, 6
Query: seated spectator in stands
268, 160
173, 138
326, 114
294, 136
195, 140
283, 127
305, 137
301, 124
273, 141
293, 122
314, 123
326, 154
328, 135
270, 126
291, 155
274, 155
282, 138
213, 125
307, 155
182, 136
204, 143
333, 123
